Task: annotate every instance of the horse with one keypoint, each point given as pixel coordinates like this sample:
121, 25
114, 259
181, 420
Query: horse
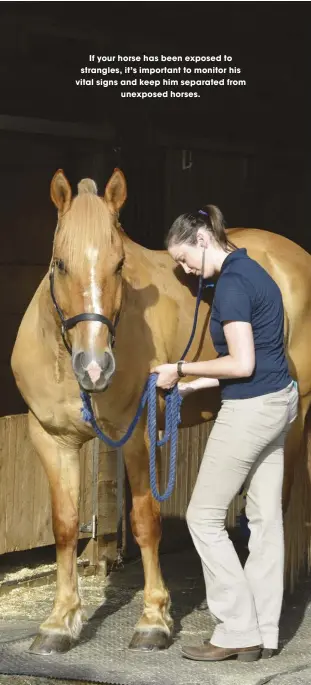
112, 290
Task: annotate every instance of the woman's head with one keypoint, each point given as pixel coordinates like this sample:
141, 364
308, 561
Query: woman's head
190, 234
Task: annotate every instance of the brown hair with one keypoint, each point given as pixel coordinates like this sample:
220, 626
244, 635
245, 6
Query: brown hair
185, 228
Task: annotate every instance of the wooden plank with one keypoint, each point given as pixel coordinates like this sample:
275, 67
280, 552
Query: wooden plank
25, 515
107, 491
183, 462
86, 485
174, 141
25, 508
107, 506
104, 132
195, 458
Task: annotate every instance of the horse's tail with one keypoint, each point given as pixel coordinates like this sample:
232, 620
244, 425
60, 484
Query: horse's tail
298, 515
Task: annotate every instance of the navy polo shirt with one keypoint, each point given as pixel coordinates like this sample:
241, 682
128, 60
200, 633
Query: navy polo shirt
246, 292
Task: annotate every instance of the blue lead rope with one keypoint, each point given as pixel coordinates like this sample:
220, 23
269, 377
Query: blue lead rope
172, 420
173, 401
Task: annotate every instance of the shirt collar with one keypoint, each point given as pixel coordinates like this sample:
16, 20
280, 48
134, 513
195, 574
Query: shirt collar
236, 254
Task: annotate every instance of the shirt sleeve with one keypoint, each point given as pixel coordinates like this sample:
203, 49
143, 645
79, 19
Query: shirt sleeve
234, 298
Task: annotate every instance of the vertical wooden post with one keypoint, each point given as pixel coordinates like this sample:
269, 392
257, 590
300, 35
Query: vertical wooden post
90, 552
107, 505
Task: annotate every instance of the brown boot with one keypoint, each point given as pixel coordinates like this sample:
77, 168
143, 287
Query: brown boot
209, 652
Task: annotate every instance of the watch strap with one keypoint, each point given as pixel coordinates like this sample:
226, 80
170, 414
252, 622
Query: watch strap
179, 369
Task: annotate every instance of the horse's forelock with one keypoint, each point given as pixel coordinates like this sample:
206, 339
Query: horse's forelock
87, 185
87, 224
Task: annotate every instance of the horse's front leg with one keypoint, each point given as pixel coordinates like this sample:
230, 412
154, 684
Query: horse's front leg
153, 630
61, 463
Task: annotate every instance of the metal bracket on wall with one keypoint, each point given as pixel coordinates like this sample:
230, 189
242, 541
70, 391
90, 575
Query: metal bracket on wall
186, 159
90, 527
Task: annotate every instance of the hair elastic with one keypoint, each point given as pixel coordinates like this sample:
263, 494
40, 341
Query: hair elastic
201, 212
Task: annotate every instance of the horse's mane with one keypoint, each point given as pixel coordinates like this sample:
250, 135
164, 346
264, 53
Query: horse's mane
87, 222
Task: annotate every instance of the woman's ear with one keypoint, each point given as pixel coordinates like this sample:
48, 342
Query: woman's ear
202, 238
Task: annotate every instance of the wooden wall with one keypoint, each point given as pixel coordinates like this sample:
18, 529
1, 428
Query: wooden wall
254, 188
25, 508
143, 217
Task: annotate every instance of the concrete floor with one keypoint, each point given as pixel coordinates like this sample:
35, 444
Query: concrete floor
27, 680
24, 606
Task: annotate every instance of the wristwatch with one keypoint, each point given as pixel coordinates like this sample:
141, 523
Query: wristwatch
179, 371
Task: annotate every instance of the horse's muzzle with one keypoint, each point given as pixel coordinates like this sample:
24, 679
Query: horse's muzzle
93, 372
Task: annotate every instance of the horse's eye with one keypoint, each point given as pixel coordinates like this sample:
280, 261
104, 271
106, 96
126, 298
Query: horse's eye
60, 266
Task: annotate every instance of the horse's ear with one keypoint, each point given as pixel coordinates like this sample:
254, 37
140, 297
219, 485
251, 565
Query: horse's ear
115, 192
60, 191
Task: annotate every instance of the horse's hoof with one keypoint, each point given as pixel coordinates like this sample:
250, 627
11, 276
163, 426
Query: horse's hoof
150, 640
50, 643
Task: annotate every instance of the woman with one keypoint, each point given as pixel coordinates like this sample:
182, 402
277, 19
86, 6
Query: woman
246, 444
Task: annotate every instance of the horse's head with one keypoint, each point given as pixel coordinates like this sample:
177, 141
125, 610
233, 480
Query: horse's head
86, 274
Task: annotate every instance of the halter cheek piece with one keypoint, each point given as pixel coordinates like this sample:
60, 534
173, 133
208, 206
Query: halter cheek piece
67, 324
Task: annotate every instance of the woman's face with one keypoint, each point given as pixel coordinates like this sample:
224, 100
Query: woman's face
190, 257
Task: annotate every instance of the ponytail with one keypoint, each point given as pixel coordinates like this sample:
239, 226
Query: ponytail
185, 228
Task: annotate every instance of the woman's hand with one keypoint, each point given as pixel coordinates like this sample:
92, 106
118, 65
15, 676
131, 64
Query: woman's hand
168, 376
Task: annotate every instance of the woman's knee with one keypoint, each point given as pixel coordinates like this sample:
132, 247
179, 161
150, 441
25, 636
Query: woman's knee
208, 518
198, 519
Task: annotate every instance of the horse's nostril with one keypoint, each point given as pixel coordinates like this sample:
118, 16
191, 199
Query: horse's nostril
83, 360
80, 362
106, 362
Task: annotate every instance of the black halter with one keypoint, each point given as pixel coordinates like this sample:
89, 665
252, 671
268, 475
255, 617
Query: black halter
67, 324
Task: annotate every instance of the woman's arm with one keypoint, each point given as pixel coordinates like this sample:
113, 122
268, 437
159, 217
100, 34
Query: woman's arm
203, 382
198, 384
239, 363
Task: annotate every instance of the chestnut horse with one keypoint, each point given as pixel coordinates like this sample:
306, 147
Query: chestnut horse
97, 269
